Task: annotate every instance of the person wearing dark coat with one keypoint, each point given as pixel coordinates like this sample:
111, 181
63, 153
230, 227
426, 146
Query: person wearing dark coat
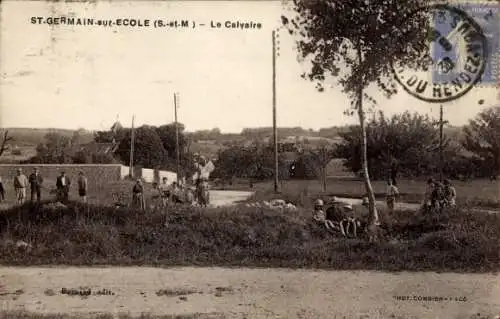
36, 181
138, 195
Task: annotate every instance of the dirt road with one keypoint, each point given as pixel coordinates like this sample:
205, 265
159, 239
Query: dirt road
249, 293
226, 198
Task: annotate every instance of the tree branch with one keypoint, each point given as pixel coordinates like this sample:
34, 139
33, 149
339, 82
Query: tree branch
6, 138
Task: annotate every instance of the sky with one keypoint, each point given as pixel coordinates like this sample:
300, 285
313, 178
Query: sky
85, 76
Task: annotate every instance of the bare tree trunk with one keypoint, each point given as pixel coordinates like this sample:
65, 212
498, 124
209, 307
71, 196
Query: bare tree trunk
4, 144
373, 214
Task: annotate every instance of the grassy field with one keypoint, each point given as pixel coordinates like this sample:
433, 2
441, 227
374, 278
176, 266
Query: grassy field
456, 241
483, 193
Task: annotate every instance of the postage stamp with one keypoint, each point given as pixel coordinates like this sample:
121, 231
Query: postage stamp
450, 51
456, 53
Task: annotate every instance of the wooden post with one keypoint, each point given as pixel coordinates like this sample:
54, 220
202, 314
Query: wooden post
441, 124
177, 138
441, 157
131, 164
275, 129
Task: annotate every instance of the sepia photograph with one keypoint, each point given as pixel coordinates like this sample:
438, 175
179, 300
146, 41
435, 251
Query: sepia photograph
247, 159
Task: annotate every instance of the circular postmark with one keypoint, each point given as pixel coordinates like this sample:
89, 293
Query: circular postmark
456, 55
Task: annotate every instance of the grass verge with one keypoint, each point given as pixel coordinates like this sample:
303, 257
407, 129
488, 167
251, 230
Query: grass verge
456, 241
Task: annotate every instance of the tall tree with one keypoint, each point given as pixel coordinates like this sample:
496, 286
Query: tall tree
148, 148
357, 42
55, 149
482, 137
167, 136
322, 155
408, 143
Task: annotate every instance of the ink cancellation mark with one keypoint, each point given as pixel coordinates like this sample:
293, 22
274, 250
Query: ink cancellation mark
487, 15
460, 66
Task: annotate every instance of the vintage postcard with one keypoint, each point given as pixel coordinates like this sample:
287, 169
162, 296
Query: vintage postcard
249, 159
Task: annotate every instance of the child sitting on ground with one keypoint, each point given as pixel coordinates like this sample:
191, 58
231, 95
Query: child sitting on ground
321, 217
190, 196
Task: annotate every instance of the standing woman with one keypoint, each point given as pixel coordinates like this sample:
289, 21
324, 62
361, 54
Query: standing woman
82, 187
138, 195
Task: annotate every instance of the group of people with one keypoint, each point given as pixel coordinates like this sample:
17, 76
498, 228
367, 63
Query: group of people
197, 193
341, 218
166, 193
439, 195
35, 182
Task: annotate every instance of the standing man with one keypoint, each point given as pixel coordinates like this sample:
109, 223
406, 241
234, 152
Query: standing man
20, 184
36, 181
391, 194
62, 184
82, 187
138, 195
164, 190
203, 170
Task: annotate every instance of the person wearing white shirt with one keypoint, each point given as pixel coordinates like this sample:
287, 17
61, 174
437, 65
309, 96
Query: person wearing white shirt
62, 184
391, 194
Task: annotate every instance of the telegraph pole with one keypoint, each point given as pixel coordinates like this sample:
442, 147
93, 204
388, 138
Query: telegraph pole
131, 165
275, 130
441, 124
177, 151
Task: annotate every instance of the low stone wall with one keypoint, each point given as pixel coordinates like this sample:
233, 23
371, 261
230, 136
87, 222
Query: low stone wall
97, 174
148, 175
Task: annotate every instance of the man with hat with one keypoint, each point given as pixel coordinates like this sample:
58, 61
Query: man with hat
20, 184
319, 214
36, 181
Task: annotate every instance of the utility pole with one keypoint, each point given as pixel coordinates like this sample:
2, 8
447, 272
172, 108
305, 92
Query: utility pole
131, 165
177, 151
275, 130
441, 124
